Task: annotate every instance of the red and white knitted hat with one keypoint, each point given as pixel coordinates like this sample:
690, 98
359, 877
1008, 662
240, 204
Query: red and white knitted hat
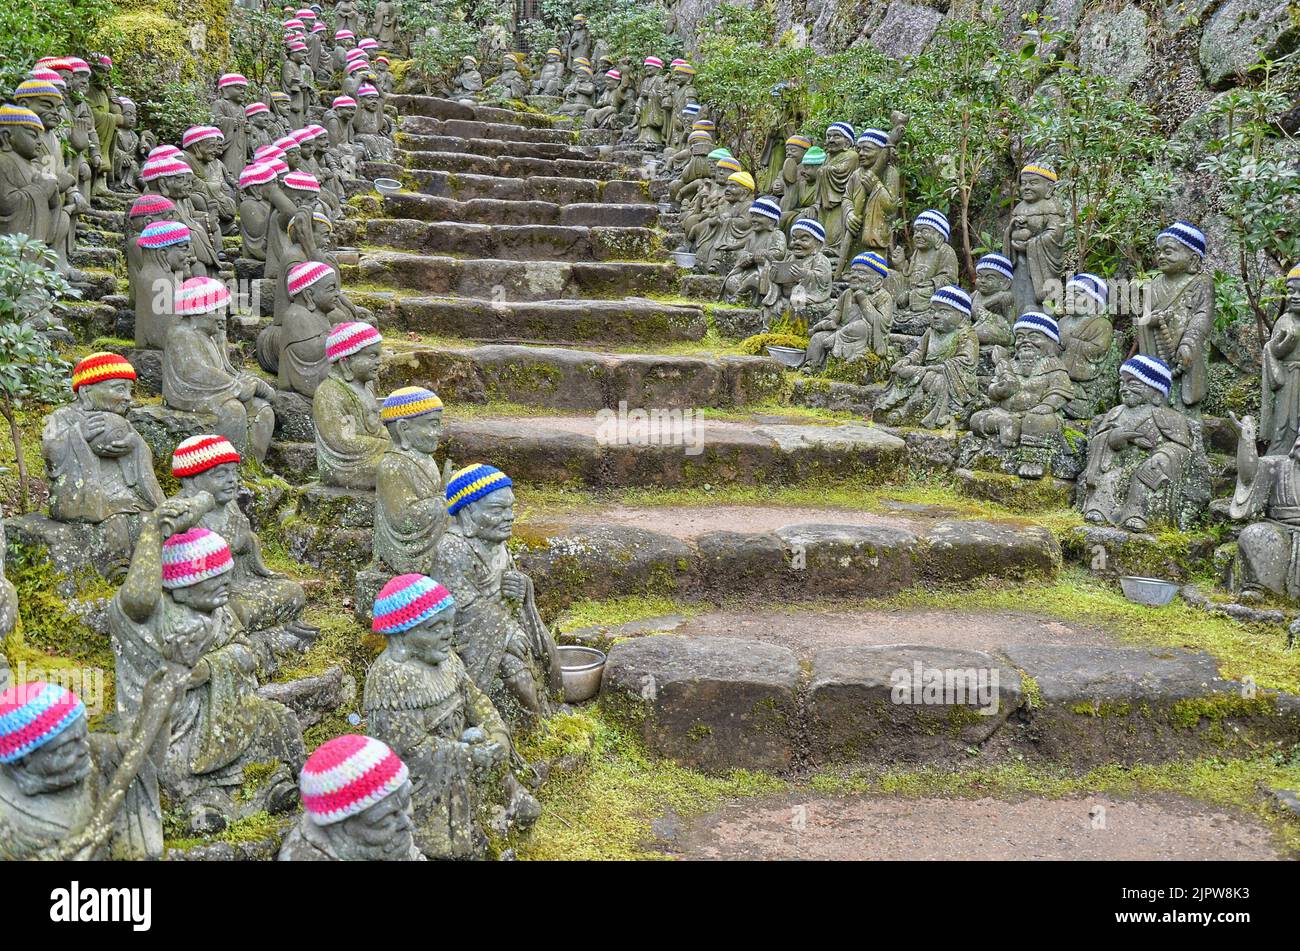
48, 76
316, 131
302, 135
318, 27
306, 14
368, 43
344, 35
78, 64
256, 109
201, 295
279, 166
162, 151
232, 79
304, 275
614, 74
197, 133
356, 66
302, 181
358, 53
147, 205
194, 556
297, 46
349, 338
268, 152
293, 24
198, 454
347, 775
258, 173
367, 91
285, 142
343, 101
654, 61
164, 168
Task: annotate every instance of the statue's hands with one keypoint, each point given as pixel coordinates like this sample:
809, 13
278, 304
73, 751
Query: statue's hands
186, 643
513, 585
169, 515
448, 470
1184, 358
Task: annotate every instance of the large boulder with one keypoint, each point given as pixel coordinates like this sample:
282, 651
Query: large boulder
962, 551
1241, 32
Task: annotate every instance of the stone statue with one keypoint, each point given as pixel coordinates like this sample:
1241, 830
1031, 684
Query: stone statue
421, 700
580, 93
873, 195
800, 201
181, 583
650, 114
1026, 397
1035, 238
215, 196
508, 651
762, 244
295, 83
128, 145
991, 306
1178, 314
347, 15
145, 211
268, 605
1087, 346
798, 284
694, 165
510, 82
46, 100
934, 386
410, 510
281, 120
350, 438
861, 320
385, 25
29, 198
175, 180
228, 115
1137, 452
338, 120
550, 78
344, 42
82, 139
680, 92
1279, 404
701, 197
727, 225
107, 116
796, 147
302, 361
933, 265
356, 805
255, 209
469, 80
608, 108
1267, 492
371, 126
166, 256
833, 183
261, 130
579, 41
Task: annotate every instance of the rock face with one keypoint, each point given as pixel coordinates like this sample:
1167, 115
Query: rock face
1115, 45
906, 29
1239, 33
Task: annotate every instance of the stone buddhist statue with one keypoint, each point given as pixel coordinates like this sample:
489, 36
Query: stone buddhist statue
796, 147
1035, 238
350, 438
214, 196
701, 197
107, 116
313, 289
873, 195
372, 127
410, 509
800, 283
580, 93
45, 99
1026, 398
550, 78
356, 805
129, 148
507, 649
933, 265
650, 114
992, 301
29, 197
166, 256
510, 82
860, 322
1088, 346
175, 180
833, 183
144, 211
228, 115
469, 81
1178, 314
1267, 494
255, 209
934, 386
762, 244
1279, 404
726, 227
801, 200
580, 41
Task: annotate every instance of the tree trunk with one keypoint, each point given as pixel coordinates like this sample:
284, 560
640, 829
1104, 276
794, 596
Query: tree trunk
24, 496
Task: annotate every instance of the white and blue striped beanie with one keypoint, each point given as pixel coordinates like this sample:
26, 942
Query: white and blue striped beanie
954, 297
844, 129
691, 109
1092, 285
1186, 233
874, 137
1154, 373
996, 262
933, 219
767, 207
872, 260
1039, 322
814, 228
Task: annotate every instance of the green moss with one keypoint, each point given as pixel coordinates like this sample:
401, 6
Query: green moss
757, 345
1217, 707
1031, 692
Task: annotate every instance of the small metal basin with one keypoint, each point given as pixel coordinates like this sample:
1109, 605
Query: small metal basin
684, 259
1152, 591
791, 357
581, 669
387, 186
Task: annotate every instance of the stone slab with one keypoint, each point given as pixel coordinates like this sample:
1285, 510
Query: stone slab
586, 321
512, 242
960, 551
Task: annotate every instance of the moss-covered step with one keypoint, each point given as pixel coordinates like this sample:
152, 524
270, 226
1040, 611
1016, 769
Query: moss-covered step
559, 190
495, 148
510, 167
515, 280
1024, 495
1168, 554
439, 108
477, 129
562, 378
512, 242
605, 322
496, 211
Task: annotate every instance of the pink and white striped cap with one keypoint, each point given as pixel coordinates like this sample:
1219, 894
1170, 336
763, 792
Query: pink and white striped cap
198, 133
147, 205
297, 46
302, 135
344, 35
232, 79
369, 43
194, 556
293, 24
304, 275
285, 143
356, 66
256, 109
342, 102
48, 76
201, 295
164, 168
78, 64
367, 91
279, 166
356, 53
161, 152
654, 61
614, 74
316, 131
258, 173
302, 181
349, 338
318, 27
268, 152
347, 775
306, 14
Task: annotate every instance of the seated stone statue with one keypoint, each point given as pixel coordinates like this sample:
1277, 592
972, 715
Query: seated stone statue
933, 265
313, 289
934, 386
799, 284
166, 257
202, 151
1087, 346
422, 701
255, 209
550, 78
350, 439
175, 180
1279, 405
694, 164
145, 211
268, 605
468, 81
861, 320
221, 726
372, 127
1137, 452
508, 651
796, 146
1178, 314
1268, 493
754, 253
356, 805
29, 197
728, 225
510, 82
580, 94
1026, 397
701, 197
410, 510
992, 303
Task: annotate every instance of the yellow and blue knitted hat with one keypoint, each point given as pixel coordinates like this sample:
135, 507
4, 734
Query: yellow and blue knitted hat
473, 483
408, 403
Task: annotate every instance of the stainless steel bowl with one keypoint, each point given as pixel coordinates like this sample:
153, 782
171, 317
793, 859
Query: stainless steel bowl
1152, 591
684, 259
387, 186
581, 669
791, 357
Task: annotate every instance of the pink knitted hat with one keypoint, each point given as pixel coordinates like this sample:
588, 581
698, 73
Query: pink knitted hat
48, 76
408, 600
198, 454
358, 53
368, 43
201, 295
32, 714
302, 135
367, 91
349, 338
344, 35
348, 775
342, 101
147, 205
198, 133
279, 166
317, 131
163, 234
194, 556
285, 142
164, 168
297, 46
304, 275
232, 79
257, 173
356, 66
162, 151
302, 181
654, 61
256, 109
79, 65
267, 152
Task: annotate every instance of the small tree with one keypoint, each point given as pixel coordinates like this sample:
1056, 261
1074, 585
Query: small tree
30, 371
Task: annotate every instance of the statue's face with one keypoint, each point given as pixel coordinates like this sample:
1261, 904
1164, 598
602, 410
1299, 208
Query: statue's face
989, 282
795, 152
423, 433
1133, 392
868, 152
203, 151
385, 830
804, 244
110, 396
365, 363
494, 515
298, 56
346, 112
430, 642
129, 117
808, 173
761, 223
221, 482
944, 318
927, 239
262, 120
62, 762
1034, 187
836, 143
236, 94
79, 83
1174, 257
325, 293
206, 596
47, 107
701, 147
177, 186
211, 324
1030, 345
25, 141
1293, 296
279, 106
552, 58
321, 232
737, 192
1080, 304
179, 257
371, 103
721, 174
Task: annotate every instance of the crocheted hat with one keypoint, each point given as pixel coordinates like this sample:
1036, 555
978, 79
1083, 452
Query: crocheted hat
1185, 233
356, 66
99, 367
344, 35
162, 152
200, 453
814, 156
32, 714
163, 234
258, 173
304, 275
768, 207
367, 91
720, 153
707, 125
1092, 285
799, 141
48, 76
256, 109
742, 178
194, 556
343, 102
36, 89
408, 600
691, 109
873, 137
1042, 171
998, 263
147, 205
12, 116
933, 219
164, 168
1038, 322
268, 152
368, 43
654, 62
814, 228
302, 181
472, 483
872, 261
1154, 373
231, 79
347, 775
613, 74
198, 133
954, 297
844, 129
285, 142
729, 163
685, 69
201, 295
408, 403
349, 338
1293, 274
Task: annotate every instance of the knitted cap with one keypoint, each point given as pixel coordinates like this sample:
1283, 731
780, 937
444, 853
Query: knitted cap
99, 367
297, 46
343, 34
198, 454
268, 152
1294, 273
198, 133
356, 66
32, 714
201, 295
35, 89
78, 64
285, 142
150, 205
874, 137
1038, 322
256, 109
872, 261
1154, 373
352, 54
720, 153
408, 403
708, 125
342, 102
161, 152
164, 168
933, 219
1185, 233
1092, 285
844, 129
408, 600
347, 775
768, 207
814, 228
954, 297
302, 181
1042, 171
699, 135
998, 263
814, 156
12, 116
277, 165
678, 62
472, 483
729, 163
367, 91
304, 275
302, 135
48, 76
654, 61
257, 173
685, 69
163, 234
613, 74
349, 338
278, 95
316, 131
318, 27
194, 556
799, 141
231, 79
691, 109
369, 43
742, 178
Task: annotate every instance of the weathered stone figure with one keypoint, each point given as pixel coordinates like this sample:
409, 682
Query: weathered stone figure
1087, 346
386, 27
303, 362
1178, 314
701, 197
372, 127
727, 225
550, 78
873, 195
175, 180
410, 509
127, 146
46, 100
933, 265
796, 146
510, 82
650, 114
255, 209
469, 80
165, 258
145, 211
580, 93
833, 183
215, 196
800, 283
228, 115
350, 438
934, 386
1035, 238
992, 301
762, 244
800, 201
861, 320
1279, 404
29, 198
107, 116
579, 41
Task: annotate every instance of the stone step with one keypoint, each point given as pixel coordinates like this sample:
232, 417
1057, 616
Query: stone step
497, 148
514, 242
491, 211
556, 321
560, 190
508, 167
439, 108
515, 280
477, 129
562, 378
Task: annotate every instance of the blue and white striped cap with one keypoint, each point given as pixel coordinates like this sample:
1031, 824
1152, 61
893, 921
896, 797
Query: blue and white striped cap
1092, 285
999, 263
691, 109
1187, 234
1154, 373
814, 228
872, 260
874, 136
844, 129
1039, 322
933, 219
766, 206
954, 297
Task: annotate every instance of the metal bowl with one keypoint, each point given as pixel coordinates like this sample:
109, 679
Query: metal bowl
684, 259
1152, 591
791, 357
387, 186
348, 255
581, 669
